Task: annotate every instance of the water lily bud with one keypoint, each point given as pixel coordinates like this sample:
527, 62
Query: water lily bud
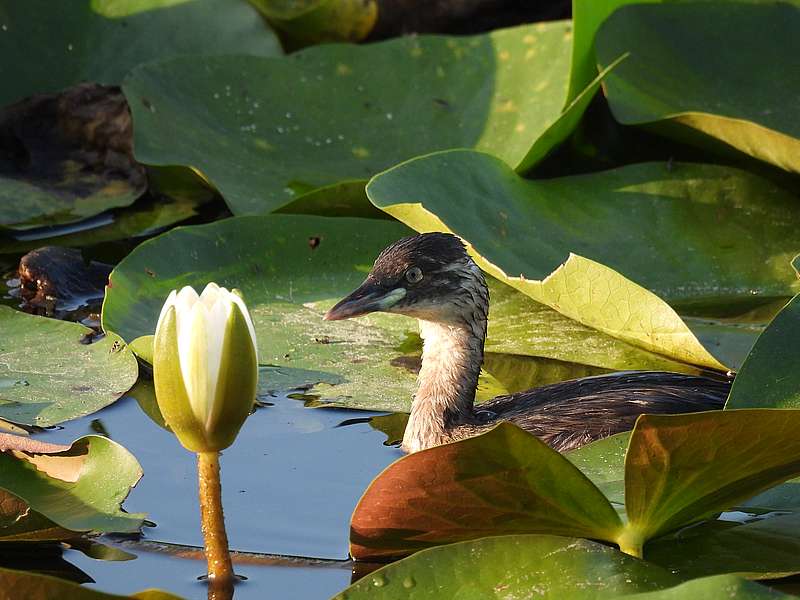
205, 366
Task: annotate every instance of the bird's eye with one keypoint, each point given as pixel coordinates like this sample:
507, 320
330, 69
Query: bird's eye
414, 274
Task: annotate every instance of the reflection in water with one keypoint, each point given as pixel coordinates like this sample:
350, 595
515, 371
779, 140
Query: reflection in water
290, 484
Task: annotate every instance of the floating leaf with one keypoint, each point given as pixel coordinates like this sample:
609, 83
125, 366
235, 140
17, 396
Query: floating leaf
680, 469
479, 198
48, 374
69, 156
33, 586
293, 268
78, 488
685, 71
719, 586
505, 481
764, 548
770, 377
49, 46
267, 131
603, 462
306, 22
513, 566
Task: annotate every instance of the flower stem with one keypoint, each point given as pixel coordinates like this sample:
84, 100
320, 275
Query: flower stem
220, 569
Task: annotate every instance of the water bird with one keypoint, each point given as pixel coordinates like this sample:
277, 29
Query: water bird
432, 277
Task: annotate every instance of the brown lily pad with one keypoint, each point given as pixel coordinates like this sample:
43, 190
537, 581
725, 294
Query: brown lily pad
66, 156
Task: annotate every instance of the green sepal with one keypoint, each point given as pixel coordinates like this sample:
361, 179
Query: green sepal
173, 401
236, 386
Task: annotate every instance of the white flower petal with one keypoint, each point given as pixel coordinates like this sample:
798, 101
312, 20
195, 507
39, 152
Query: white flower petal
170, 301
210, 294
215, 334
240, 303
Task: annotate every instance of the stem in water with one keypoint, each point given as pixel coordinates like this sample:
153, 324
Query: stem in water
220, 569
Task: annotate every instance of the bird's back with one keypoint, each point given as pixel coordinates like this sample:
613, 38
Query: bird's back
572, 413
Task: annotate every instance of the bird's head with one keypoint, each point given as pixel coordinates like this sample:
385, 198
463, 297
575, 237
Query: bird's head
428, 276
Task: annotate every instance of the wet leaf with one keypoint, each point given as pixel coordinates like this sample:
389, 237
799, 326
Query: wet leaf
49, 46
66, 157
603, 462
267, 131
720, 586
685, 73
448, 191
513, 566
504, 481
32, 586
763, 548
367, 363
680, 469
47, 375
77, 488
305, 22
770, 377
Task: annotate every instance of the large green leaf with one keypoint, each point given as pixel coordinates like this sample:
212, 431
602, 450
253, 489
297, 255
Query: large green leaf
267, 131
504, 481
49, 374
513, 566
764, 548
305, 22
719, 586
680, 469
634, 213
770, 377
364, 363
79, 488
603, 462
686, 68
32, 586
47, 46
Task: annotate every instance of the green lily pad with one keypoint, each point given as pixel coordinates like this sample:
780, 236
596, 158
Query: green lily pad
685, 70
49, 46
513, 566
267, 131
48, 374
719, 586
33, 586
306, 22
770, 377
79, 488
479, 198
288, 284
504, 481
603, 462
764, 548
680, 469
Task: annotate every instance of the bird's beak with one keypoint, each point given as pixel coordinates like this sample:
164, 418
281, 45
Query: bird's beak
368, 298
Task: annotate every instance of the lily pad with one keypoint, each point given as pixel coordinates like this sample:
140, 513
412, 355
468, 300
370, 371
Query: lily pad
770, 377
603, 462
505, 481
68, 156
305, 22
479, 198
685, 70
680, 469
33, 586
266, 131
49, 374
719, 586
292, 268
49, 46
77, 488
513, 566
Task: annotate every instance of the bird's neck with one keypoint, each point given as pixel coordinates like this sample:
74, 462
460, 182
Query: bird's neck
452, 355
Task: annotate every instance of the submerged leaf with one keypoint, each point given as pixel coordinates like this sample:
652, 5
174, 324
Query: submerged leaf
48, 374
686, 68
68, 156
268, 131
504, 481
78, 488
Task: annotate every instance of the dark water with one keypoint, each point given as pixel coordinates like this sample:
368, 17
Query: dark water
290, 483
